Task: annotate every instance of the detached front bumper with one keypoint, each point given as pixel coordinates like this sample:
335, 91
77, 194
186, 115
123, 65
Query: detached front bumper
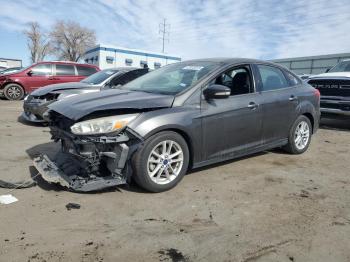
89, 163
53, 174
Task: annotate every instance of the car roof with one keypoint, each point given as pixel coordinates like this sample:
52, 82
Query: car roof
65, 63
229, 60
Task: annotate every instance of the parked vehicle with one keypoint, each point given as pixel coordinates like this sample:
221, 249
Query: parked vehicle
14, 86
334, 86
35, 104
184, 115
10, 70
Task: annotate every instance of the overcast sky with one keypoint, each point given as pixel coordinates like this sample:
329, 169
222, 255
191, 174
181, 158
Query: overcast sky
251, 28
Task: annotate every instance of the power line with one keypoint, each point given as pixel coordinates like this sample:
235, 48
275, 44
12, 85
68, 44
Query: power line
164, 32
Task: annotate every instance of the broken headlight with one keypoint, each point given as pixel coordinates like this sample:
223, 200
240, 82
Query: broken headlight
102, 125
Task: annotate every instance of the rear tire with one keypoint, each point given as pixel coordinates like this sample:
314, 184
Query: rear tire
299, 136
157, 169
13, 92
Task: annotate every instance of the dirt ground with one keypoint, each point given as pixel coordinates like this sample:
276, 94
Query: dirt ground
267, 207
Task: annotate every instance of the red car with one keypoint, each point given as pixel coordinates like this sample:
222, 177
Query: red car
15, 86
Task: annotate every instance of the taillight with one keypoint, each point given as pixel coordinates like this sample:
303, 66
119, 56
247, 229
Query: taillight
317, 93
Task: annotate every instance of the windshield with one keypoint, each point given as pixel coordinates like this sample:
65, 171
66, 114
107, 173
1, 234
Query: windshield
171, 79
99, 77
341, 67
10, 70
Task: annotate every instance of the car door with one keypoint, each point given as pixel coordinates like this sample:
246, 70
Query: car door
278, 104
231, 126
39, 75
65, 73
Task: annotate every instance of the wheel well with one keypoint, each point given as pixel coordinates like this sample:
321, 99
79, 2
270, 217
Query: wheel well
311, 118
187, 139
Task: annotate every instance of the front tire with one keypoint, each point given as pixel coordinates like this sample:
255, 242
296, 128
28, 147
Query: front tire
161, 162
299, 136
13, 92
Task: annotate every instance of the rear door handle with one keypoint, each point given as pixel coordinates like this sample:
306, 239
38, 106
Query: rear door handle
252, 105
293, 98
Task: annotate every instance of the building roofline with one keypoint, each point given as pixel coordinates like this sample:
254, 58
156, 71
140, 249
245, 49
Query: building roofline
131, 51
302, 58
10, 59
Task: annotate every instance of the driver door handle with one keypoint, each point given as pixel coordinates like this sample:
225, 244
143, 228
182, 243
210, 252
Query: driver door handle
252, 105
293, 98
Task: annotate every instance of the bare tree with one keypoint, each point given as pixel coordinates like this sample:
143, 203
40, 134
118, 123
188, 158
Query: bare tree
37, 41
70, 40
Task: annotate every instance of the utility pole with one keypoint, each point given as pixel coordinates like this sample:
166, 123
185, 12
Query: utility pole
164, 32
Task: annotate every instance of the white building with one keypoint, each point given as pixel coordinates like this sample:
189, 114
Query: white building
9, 62
106, 56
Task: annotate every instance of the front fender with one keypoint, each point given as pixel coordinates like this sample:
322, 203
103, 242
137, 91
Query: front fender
184, 120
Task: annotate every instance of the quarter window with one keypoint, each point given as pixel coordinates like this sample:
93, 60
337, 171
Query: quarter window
65, 70
272, 78
42, 70
292, 79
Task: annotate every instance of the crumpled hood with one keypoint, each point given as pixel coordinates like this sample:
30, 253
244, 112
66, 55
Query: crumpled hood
56, 87
331, 75
79, 106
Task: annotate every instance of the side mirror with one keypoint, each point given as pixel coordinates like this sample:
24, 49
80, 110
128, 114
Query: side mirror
217, 91
30, 73
327, 70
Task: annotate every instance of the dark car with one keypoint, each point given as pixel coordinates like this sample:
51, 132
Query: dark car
184, 115
334, 86
14, 86
35, 104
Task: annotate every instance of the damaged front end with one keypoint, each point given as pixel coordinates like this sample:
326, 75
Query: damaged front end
35, 106
88, 162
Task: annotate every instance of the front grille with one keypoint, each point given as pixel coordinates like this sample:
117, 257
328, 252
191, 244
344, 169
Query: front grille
332, 87
60, 121
344, 107
46, 97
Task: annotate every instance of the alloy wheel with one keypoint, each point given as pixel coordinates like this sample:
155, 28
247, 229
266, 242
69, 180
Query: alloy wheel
302, 135
165, 162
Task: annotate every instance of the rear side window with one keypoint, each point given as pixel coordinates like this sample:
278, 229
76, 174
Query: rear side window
272, 78
292, 79
42, 70
65, 70
86, 71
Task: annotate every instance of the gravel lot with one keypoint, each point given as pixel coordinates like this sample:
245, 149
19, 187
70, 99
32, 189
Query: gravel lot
267, 207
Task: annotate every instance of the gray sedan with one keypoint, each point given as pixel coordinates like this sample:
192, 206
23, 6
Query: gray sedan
184, 115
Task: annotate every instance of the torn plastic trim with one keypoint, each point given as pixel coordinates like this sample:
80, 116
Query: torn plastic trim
90, 163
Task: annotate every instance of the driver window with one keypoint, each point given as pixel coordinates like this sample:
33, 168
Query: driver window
237, 79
